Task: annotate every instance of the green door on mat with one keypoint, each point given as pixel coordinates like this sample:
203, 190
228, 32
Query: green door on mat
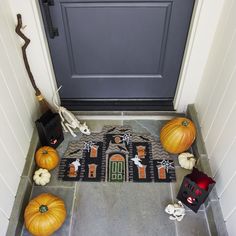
116, 171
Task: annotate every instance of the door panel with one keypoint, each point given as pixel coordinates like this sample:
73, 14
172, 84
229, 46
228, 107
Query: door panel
118, 49
116, 171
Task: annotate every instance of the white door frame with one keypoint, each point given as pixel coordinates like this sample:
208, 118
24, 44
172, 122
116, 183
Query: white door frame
203, 26
202, 29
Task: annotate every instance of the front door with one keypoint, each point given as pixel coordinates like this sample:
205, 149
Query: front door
116, 168
109, 54
116, 171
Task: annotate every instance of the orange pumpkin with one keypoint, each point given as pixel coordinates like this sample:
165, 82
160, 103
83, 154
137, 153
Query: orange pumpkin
177, 135
44, 214
47, 158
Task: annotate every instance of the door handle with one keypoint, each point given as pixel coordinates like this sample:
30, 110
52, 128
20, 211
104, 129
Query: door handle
53, 31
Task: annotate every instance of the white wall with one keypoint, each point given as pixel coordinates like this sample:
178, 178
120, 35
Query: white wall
17, 109
216, 106
38, 52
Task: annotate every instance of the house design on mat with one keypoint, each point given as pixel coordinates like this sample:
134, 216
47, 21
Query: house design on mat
141, 150
92, 173
142, 172
117, 157
94, 151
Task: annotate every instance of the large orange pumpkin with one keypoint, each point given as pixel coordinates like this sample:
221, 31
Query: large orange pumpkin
177, 135
44, 214
47, 158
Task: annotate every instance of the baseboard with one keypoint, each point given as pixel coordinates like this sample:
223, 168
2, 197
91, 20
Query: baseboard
213, 210
16, 220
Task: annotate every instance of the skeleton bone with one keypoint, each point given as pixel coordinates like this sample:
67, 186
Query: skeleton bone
68, 119
176, 211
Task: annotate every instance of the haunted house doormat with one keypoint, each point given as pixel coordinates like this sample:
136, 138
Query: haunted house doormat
116, 154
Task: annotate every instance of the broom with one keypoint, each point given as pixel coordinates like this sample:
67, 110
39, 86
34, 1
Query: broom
44, 105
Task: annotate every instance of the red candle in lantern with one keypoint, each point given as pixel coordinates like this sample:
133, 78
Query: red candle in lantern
201, 179
203, 183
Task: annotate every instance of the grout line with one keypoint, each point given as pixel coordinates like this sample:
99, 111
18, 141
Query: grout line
172, 196
72, 210
31, 181
153, 134
208, 225
171, 192
124, 117
48, 186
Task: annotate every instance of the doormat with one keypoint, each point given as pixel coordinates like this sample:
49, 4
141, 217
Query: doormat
117, 154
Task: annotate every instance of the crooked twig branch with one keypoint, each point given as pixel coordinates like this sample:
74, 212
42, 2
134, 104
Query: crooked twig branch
27, 42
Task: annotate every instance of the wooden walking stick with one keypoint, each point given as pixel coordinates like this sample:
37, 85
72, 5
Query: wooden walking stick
44, 105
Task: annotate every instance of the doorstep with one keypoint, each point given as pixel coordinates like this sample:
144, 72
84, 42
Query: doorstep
211, 208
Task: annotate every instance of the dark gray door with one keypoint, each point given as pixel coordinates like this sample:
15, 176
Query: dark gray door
106, 50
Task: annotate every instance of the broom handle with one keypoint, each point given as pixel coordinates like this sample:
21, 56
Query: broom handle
27, 42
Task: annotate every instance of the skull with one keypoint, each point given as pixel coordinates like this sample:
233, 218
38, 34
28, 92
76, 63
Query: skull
170, 209
84, 129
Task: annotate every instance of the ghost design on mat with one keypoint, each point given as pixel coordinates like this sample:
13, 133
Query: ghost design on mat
137, 161
76, 164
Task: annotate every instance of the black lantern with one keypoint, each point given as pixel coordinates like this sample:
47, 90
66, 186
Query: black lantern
50, 129
195, 189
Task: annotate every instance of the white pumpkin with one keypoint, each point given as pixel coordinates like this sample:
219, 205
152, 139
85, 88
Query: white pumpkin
187, 160
41, 177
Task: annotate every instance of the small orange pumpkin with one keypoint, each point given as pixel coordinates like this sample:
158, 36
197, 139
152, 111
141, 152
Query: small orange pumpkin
177, 135
44, 214
47, 158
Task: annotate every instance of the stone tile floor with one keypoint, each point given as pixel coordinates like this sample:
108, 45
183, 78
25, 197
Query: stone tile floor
122, 209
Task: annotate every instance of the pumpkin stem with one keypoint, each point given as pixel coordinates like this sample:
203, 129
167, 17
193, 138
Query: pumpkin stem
45, 152
43, 208
185, 123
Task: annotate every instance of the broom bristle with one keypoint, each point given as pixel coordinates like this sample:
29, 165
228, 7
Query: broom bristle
43, 104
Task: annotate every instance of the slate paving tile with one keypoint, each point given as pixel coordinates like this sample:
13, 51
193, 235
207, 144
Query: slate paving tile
215, 218
127, 209
67, 194
122, 209
193, 225
146, 126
